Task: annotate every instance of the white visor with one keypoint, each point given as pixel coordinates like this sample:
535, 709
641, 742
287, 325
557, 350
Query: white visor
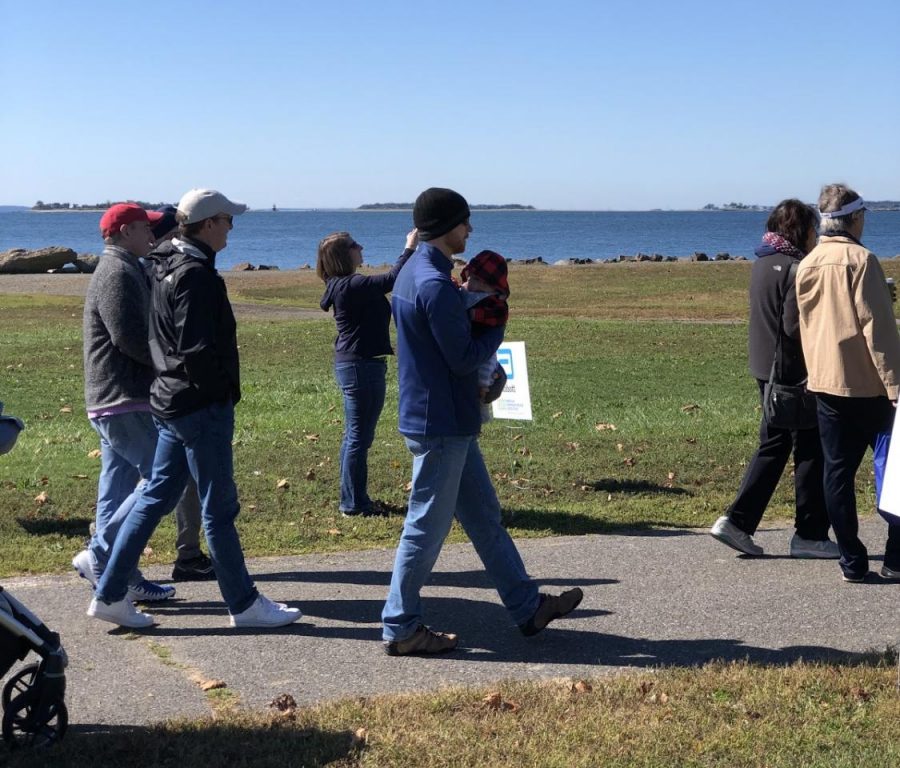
846, 210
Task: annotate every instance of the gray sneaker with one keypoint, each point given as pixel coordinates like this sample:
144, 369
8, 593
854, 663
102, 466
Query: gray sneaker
422, 642
891, 574
728, 533
550, 608
810, 549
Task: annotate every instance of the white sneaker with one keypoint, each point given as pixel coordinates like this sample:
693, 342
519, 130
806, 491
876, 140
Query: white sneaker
122, 613
265, 613
86, 566
728, 533
809, 548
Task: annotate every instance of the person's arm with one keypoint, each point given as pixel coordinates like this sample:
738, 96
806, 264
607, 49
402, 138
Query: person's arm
452, 330
385, 281
876, 321
196, 313
790, 316
120, 304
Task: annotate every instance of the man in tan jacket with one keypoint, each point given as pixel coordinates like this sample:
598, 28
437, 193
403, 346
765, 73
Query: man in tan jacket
852, 351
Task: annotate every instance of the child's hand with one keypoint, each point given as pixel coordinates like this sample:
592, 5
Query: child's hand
491, 393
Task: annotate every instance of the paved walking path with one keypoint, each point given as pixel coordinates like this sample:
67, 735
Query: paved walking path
669, 597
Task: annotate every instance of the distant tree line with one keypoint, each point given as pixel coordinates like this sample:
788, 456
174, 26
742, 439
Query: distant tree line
40, 205
409, 207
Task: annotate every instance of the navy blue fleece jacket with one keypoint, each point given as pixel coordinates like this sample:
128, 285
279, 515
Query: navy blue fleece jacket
437, 358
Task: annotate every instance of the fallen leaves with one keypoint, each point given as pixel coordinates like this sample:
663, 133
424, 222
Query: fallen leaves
310, 474
284, 704
95, 454
42, 498
690, 408
494, 701
66, 409
312, 437
283, 484
605, 427
207, 683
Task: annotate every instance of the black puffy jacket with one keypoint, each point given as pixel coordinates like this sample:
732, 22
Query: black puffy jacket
193, 334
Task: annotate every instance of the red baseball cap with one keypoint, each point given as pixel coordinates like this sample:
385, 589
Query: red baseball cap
121, 214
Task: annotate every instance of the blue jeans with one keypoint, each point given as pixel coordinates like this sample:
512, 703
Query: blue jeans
450, 478
197, 445
127, 447
363, 385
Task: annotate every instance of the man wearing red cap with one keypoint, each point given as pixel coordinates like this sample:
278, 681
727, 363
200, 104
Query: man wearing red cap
117, 378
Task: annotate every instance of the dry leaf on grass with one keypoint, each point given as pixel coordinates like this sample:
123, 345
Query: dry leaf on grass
408, 486
283, 703
524, 451
360, 737
659, 698
66, 409
283, 483
334, 532
148, 552
573, 446
42, 498
312, 437
517, 437
310, 474
206, 683
690, 407
495, 701
79, 477
95, 454
582, 686
605, 427
628, 461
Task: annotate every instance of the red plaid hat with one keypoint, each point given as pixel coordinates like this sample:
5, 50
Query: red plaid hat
490, 267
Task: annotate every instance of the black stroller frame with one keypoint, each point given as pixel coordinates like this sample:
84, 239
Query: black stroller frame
34, 710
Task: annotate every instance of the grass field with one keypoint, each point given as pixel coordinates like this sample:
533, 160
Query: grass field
639, 421
644, 417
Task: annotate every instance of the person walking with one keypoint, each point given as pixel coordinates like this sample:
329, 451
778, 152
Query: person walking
440, 419
193, 345
775, 330
362, 314
852, 351
117, 377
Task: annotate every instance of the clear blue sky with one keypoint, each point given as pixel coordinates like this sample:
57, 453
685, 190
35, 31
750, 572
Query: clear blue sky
579, 105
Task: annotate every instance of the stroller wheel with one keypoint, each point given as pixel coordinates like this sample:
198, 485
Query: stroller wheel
20, 682
22, 727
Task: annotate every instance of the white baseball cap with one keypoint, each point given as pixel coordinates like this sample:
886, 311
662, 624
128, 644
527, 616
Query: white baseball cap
200, 204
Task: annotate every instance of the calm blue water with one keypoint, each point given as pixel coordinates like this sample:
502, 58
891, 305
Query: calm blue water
288, 239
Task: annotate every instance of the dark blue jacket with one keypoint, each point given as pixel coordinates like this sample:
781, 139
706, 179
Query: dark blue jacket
437, 358
361, 312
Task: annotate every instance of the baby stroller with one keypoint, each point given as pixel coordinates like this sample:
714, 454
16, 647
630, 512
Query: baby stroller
34, 713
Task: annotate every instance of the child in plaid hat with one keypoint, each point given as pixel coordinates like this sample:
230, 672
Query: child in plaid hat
485, 291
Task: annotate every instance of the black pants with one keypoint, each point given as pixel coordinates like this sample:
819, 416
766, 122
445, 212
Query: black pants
765, 470
848, 426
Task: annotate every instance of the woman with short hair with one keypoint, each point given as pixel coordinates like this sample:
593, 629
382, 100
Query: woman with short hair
362, 314
790, 235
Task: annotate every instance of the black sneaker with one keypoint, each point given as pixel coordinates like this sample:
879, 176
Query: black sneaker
198, 568
422, 642
550, 608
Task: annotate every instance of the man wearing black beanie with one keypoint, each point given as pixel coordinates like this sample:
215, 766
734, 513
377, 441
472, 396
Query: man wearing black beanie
440, 419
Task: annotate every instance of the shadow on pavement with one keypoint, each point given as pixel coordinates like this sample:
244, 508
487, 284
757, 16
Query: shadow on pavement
461, 579
577, 524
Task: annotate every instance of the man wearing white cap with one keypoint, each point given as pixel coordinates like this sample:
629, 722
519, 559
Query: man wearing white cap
852, 351
193, 346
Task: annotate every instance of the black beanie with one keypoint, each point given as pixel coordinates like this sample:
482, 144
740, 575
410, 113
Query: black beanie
166, 224
437, 211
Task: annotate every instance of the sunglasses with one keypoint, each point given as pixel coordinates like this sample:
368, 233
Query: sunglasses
224, 216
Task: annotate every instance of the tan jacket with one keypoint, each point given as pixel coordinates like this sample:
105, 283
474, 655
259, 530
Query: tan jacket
847, 324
